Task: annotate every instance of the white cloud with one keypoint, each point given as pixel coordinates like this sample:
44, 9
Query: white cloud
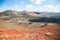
50, 8
28, 7
37, 1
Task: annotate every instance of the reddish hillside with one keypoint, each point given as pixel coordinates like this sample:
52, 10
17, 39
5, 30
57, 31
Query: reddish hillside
49, 32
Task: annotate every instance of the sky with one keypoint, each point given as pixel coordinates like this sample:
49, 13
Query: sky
30, 5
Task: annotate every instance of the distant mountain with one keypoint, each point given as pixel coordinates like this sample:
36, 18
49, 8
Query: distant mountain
25, 16
53, 14
9, 13
16, 17
23, 13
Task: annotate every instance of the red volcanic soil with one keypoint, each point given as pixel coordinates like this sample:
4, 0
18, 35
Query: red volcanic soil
49, 32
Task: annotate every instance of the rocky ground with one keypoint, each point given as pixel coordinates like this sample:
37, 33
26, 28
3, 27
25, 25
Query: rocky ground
48, 32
